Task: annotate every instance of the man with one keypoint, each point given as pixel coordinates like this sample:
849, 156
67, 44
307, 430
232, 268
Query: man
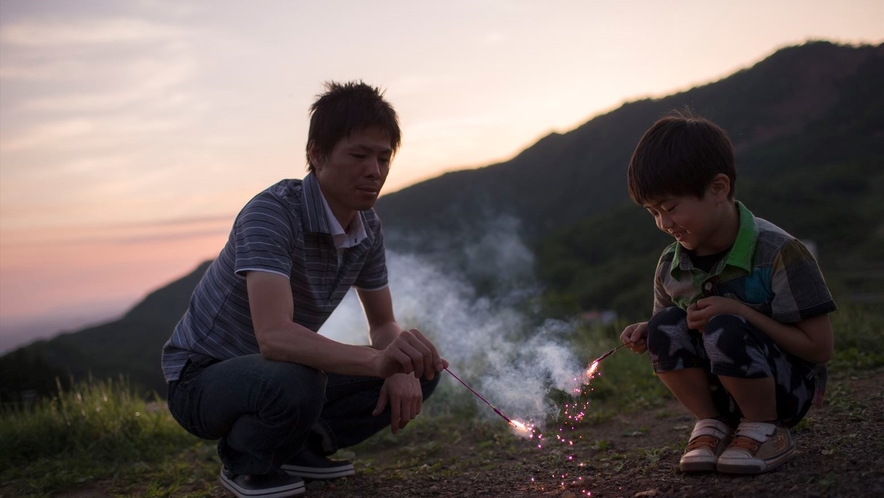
245, 364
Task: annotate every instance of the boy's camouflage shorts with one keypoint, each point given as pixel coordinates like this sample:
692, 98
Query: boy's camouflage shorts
731, 346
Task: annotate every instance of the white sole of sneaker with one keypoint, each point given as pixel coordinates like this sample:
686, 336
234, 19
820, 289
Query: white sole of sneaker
318, 473
697, 466
278, 492
762, 466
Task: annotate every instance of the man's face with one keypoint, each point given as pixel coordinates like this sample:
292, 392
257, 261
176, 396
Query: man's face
352, 174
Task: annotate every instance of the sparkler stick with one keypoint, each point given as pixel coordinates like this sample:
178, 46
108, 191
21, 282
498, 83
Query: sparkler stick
510, 421
609, 353
595, 364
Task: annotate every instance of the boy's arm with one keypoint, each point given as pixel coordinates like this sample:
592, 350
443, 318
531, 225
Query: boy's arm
810, 339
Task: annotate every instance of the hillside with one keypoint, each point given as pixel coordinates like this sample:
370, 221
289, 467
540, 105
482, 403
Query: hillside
564, 178
808, 125
129, 346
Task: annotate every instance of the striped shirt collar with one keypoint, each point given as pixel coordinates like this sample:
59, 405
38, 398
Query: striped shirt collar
355, 232
319, 217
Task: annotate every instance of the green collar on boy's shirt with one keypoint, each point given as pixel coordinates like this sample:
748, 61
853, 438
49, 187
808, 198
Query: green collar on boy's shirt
740, 254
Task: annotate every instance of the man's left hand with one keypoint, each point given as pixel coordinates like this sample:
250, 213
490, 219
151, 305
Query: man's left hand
403, 393
704, 309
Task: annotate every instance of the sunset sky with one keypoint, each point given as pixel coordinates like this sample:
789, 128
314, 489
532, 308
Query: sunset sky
132, 132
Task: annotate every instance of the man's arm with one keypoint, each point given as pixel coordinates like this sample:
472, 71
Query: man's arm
401, 392
280, 339
382, 326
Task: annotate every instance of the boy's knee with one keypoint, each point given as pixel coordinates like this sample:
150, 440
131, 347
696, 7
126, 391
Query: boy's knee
725, 322
725, 333
667, 316
666, 327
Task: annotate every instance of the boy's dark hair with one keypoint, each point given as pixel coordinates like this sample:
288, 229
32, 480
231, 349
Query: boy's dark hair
345, 107
680, 155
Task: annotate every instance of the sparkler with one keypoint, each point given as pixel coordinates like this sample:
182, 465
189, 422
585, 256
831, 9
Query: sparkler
514, 423
575, 417
595, 364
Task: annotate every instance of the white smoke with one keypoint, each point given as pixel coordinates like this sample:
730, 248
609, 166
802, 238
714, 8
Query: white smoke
492, 342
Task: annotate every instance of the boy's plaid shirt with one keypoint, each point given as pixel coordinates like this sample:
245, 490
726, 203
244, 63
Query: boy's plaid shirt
767, 269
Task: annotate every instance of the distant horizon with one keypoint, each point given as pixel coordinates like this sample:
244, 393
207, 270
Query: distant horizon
24, 330
131, 135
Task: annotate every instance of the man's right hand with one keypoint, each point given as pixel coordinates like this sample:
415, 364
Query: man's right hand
634, 337
410, 352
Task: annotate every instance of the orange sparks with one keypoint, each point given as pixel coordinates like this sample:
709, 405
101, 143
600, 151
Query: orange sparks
592, 369
519, 425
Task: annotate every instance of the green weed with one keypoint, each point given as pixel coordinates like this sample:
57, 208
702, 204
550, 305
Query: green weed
103, 434
97, 430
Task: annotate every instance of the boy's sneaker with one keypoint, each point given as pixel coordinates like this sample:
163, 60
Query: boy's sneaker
757, 447
310, 465
708, 440
276, 485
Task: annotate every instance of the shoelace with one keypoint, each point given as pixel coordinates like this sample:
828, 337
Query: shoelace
704, 441
745, 443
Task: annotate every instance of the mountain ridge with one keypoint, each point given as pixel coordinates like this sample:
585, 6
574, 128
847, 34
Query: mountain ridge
810, 117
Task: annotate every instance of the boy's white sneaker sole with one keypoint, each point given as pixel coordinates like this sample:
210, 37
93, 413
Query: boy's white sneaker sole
756, 448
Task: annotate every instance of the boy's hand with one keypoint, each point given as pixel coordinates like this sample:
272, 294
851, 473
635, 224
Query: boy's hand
634, 337
704, 309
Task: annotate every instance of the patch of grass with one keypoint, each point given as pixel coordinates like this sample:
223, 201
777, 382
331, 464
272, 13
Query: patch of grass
627, 381
653, 455
858, 344
103, 435
96, 431
624, 380
601, 445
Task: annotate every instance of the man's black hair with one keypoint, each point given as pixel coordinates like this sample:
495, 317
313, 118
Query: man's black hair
348, 107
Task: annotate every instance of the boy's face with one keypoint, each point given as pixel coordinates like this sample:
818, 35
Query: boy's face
697, 224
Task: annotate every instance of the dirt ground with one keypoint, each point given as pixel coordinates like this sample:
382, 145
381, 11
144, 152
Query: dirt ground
840, 453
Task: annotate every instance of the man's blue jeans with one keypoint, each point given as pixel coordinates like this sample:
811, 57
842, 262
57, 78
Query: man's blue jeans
264, 412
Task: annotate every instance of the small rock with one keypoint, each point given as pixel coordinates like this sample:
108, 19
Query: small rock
650, 492
568, 494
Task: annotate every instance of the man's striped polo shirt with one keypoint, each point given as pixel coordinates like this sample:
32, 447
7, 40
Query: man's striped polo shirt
282, 230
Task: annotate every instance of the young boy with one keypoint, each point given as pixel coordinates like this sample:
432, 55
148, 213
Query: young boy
740, 332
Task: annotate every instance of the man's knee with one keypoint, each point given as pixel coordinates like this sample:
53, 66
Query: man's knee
272, 389
296, 387
429, 386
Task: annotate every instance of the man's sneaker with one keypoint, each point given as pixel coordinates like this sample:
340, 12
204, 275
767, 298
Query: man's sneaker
708, 439
309, 465
276, 485
757, 447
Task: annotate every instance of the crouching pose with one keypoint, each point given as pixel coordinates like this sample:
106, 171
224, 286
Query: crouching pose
740, 331
245, 364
